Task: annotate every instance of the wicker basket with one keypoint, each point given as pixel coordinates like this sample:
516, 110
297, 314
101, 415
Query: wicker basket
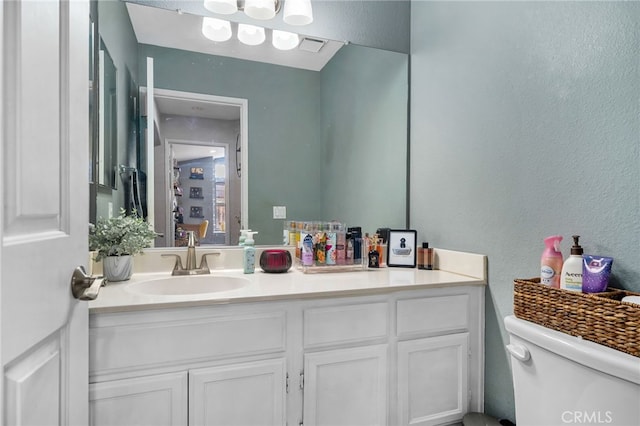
599, 317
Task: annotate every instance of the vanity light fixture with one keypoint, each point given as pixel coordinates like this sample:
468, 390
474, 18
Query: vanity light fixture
250, 34
284, 40
296, 12
216, 29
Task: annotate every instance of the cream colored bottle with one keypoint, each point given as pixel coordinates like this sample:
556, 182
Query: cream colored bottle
571, 276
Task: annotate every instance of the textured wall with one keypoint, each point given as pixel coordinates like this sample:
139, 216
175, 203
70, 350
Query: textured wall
525, 123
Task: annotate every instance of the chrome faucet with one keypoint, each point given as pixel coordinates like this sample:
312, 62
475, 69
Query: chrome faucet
190, 268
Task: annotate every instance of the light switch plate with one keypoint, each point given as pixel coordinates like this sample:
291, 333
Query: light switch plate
279, 212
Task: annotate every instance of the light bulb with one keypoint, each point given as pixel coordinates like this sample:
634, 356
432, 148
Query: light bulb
298, 12
250, 34
216, 29
260, 9
224, 7
284, 40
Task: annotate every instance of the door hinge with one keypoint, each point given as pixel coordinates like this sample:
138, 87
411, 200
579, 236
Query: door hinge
302, 380
286, 386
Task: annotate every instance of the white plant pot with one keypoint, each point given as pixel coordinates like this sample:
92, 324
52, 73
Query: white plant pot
117, 268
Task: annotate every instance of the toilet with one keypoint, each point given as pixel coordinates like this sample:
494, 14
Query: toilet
559, 379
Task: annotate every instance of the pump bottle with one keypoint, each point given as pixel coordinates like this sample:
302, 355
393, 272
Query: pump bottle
249, 261
571, 277
551, 262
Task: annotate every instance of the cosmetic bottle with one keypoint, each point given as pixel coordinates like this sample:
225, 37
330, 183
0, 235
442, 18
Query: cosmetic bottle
307, 248
330, 247
551, 262
341, 244
249, 262
571, 276
356, 237
425, 257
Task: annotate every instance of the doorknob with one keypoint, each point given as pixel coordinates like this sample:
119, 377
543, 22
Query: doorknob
85, 287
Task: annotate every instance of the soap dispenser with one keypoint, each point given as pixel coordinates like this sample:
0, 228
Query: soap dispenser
249, 262
571, 277
243, 236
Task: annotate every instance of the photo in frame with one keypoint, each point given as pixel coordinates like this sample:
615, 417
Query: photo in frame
196, 173
402, 248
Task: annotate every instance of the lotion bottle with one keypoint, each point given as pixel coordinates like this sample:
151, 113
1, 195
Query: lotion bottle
571, 277
551, 262
249, 262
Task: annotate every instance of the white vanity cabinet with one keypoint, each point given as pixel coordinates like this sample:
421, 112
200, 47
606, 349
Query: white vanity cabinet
396, 358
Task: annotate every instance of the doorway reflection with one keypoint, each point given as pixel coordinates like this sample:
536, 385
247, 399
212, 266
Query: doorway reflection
200, 192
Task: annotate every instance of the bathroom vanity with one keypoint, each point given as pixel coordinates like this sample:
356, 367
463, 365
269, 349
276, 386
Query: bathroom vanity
375, 347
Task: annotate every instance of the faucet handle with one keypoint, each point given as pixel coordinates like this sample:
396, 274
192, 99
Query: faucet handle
178, 265
203, 260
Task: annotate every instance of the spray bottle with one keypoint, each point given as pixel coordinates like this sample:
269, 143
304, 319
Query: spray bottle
551, 262
249, 262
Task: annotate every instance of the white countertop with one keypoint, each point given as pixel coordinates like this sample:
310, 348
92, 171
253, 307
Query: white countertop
261, 286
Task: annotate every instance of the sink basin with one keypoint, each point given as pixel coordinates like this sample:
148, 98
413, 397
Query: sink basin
185, 285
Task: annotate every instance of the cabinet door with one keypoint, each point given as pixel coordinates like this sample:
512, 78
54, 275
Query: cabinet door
154, 401
251, 393
346, 387
433, 379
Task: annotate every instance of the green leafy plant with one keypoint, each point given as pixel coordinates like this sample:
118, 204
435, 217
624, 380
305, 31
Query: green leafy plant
120, 236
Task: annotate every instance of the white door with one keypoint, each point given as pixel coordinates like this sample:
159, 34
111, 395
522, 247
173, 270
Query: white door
44, 161
346, 387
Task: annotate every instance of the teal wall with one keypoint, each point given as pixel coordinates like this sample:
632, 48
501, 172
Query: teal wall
284, 127
525, 122
364, 135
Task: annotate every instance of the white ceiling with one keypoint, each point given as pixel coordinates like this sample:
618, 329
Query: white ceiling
196, 108
169, 28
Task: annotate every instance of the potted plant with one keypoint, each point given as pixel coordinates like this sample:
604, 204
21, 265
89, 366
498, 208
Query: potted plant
116, 240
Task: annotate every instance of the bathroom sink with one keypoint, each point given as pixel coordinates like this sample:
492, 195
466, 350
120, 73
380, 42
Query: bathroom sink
185, 285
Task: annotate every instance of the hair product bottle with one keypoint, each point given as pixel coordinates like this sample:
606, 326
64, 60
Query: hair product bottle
551, 262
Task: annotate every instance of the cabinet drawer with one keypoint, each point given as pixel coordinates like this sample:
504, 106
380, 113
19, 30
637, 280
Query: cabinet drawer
345, 324
113, 348
430, 315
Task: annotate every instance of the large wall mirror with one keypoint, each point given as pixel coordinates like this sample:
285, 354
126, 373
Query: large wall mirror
327, 143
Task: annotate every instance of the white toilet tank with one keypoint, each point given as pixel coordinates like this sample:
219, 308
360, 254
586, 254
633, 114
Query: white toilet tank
563, 380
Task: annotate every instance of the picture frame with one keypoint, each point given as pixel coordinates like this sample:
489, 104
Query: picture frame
196, 173
195, 211
195, 192
401, 248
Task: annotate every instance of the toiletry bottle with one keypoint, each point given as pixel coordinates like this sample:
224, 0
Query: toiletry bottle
249, 262
243, 236
332, 240
425, 257
356, 236
571, 276
551, 262
341, 244
307, 249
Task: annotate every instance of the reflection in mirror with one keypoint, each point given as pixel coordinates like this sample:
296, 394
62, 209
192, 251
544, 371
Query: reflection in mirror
107, 119
328, 144
198, 167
